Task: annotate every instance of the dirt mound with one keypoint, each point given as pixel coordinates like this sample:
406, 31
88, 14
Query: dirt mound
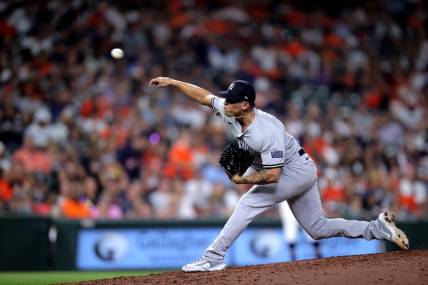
399, 267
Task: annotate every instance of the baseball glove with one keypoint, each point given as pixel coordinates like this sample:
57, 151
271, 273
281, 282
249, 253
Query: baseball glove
235, 160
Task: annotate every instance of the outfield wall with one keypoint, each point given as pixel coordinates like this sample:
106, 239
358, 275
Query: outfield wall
37, 243
24, 243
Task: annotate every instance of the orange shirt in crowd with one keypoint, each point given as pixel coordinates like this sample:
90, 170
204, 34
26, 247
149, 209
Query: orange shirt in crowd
407, 202
180, 162
43, 209
75, 209
333, 194
5, 190
34, 160
315, 146
294, 48
373, 98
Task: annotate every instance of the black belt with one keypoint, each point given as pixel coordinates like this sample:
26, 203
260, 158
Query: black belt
302, 151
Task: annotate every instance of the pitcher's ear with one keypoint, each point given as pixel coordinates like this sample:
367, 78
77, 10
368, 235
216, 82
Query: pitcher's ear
245, 104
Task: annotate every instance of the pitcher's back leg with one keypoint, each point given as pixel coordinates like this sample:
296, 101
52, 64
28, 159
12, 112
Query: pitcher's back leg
307, 209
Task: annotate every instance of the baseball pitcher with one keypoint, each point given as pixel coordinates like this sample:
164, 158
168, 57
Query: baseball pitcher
281, 170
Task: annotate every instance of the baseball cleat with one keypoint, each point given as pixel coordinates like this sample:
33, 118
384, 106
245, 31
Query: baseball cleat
202, 265
391, 232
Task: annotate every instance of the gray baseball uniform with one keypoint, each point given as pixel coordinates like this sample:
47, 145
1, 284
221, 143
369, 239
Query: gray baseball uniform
275, 147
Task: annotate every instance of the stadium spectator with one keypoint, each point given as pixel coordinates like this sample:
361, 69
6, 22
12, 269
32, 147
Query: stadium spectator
83, 135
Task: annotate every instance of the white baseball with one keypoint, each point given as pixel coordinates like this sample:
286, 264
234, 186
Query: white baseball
116, 53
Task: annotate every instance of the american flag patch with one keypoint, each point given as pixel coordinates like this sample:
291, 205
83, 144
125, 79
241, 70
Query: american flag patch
277, 154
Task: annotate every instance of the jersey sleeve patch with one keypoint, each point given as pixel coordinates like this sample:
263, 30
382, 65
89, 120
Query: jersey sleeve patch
277, 154
273, 153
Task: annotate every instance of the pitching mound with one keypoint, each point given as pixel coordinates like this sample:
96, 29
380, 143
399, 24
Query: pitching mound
399, 267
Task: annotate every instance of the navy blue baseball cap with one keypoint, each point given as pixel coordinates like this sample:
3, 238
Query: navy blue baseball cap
239, 90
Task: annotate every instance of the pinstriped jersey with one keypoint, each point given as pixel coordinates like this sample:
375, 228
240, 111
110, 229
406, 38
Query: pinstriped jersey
266, 137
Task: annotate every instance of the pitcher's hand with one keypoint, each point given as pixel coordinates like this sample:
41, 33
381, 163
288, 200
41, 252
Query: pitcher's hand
161, 81
237, 179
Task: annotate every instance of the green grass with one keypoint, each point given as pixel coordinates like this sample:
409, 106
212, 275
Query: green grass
52, 277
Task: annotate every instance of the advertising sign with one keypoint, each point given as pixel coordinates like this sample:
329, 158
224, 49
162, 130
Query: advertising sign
157, 248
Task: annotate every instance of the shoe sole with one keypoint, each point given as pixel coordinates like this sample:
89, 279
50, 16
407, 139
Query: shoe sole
398, 236
215, 268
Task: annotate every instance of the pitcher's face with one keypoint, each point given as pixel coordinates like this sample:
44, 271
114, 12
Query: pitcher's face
234, 109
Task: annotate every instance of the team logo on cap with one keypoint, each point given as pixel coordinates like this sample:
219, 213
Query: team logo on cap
231, 86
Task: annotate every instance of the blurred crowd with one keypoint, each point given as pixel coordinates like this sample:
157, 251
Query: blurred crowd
84, 136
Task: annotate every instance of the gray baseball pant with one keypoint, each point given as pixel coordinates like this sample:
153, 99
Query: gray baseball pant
297, 185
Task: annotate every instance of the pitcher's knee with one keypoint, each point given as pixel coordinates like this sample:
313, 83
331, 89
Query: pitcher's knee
245, 201
317, 230
315, 235
253, 200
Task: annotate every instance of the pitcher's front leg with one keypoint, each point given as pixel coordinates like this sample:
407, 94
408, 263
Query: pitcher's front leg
258, 199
